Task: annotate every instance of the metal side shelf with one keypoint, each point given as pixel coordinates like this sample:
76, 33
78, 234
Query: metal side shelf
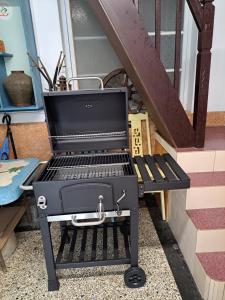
106, 244
159, 172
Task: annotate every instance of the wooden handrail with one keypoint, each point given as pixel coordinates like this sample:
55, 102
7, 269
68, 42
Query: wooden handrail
203, 13
196, 10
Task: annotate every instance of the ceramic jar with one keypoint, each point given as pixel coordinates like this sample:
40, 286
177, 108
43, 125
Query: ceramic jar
18, 86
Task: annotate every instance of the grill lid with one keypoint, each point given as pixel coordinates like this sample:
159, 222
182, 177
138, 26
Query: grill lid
87, 119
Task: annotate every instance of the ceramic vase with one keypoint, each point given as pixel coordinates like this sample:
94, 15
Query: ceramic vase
18, 86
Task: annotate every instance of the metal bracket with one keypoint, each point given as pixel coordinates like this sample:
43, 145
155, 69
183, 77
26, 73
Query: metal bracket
42, 202
141, 190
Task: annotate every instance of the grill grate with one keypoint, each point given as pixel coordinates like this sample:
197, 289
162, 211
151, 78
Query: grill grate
88, 166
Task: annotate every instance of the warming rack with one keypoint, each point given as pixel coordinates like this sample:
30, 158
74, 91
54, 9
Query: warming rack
100, 135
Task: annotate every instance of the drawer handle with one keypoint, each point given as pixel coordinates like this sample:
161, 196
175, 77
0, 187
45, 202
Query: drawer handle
101, 216
91, 223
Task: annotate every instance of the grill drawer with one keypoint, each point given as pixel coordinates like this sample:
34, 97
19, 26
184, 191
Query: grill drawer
87, 197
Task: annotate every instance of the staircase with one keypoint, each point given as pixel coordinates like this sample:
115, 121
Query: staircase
197, 215
140, 57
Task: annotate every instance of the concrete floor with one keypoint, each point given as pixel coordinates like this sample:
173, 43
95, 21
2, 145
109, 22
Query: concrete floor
26, 277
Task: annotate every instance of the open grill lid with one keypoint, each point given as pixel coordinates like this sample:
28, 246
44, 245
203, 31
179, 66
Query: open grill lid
87, 119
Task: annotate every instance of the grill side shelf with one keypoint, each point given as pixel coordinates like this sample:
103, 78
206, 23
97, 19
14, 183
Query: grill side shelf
160, 172
165, 168
141, 166
177, 169
153, 168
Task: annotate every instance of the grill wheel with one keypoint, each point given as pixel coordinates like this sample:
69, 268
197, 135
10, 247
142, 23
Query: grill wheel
134, 277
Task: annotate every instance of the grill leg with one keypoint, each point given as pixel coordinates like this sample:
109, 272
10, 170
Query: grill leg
2, 263
134, 237
53, 283
63, 228
134, 277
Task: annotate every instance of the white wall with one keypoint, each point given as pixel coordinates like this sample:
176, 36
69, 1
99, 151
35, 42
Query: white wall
217, 78
47, 33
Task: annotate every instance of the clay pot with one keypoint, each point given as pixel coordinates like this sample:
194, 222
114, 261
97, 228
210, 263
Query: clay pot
19, 88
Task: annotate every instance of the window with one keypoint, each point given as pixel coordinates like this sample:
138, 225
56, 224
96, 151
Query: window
94, 55
168, 24
93, 52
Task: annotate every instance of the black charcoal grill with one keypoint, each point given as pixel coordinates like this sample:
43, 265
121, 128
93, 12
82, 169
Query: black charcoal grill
90, 184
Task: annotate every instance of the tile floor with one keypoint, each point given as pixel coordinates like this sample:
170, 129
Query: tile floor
26, 276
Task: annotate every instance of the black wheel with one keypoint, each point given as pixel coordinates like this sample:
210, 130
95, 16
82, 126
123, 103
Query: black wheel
134, 277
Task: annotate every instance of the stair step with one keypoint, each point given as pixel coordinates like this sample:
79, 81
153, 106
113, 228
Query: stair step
205, 197
207, 219
208, 159
203, 179
209, 275
211, 158
213, 263
214, 140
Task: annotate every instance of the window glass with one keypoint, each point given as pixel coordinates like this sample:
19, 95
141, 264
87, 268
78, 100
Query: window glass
84, 22
94, 54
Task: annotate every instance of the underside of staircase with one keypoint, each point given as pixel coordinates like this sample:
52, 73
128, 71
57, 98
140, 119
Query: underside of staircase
197, 215
141, 59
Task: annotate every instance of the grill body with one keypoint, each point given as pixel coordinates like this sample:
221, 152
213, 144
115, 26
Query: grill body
90, 188
95, 192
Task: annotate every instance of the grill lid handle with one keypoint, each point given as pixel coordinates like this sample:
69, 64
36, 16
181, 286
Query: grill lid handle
87, 78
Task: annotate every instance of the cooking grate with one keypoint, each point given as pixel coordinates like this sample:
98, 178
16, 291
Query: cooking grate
87, 166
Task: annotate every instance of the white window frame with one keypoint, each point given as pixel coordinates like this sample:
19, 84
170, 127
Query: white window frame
189, 59
67, 38
188, 64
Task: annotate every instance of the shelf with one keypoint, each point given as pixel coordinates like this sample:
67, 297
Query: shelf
19, 108
5, 54
20, 28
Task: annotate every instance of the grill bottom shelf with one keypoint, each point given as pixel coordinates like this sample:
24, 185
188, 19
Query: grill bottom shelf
107, 244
